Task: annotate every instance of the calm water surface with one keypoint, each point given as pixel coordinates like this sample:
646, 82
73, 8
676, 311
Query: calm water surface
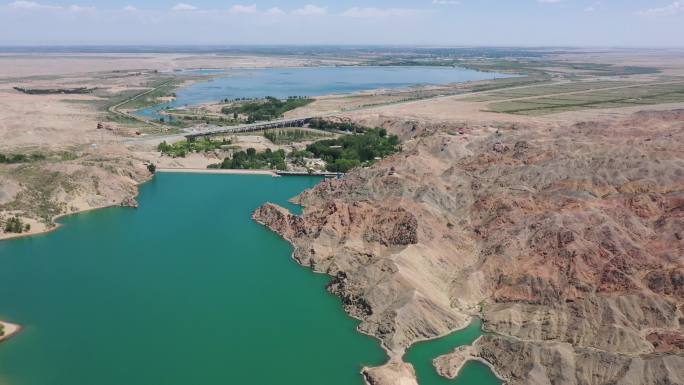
421, 355
313, 81
187, 289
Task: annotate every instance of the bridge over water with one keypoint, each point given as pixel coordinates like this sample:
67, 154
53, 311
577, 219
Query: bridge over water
299, 122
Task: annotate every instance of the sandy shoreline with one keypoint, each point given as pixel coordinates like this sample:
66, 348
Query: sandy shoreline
216, 171
36, 228
10, 330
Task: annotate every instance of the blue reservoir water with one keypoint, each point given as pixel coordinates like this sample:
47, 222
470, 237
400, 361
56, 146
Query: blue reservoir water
312, 81
421, 355
187, 289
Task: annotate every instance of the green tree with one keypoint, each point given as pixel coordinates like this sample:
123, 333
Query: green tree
14, 225
349, 151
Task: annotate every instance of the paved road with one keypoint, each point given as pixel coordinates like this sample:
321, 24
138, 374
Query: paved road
115, 108
299, 122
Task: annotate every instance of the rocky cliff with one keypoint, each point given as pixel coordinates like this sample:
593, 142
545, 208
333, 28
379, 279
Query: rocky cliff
568, 241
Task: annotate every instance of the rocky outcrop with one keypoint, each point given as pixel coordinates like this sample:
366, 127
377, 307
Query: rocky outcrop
129, 202
667, 341
567, 240
41, 191
537, 363
392, 373
450, 364
358, 243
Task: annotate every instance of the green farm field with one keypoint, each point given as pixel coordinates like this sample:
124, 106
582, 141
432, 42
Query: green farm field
556, 98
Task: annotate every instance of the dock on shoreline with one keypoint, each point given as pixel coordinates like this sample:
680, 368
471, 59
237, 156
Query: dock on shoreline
304, 173
273, 173
216, 171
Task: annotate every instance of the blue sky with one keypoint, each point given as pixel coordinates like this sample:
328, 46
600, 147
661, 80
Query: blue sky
640, 23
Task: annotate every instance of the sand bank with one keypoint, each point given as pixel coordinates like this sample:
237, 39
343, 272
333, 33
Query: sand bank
37, 227
9, 330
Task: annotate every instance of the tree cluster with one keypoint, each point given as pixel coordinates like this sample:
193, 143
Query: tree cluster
21, 158
253, 160
269, 108
181, 149
16, 225
327, 125
349, 151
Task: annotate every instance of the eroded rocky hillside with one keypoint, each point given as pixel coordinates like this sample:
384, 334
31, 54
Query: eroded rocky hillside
66, 183
567, 240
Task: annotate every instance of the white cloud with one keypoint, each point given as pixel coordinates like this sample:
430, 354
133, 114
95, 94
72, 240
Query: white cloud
31, 5
275, 11
371, 12
183, 7
130, 8
239, 8
549, 1
668, 10
310, 10
24, 4
445, 2
80, 8
594, 7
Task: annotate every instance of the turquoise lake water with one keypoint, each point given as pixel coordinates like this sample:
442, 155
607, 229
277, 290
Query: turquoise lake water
421, 355
187, 289
312, 81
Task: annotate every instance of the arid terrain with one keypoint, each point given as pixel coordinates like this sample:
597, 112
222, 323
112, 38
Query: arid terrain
552, 206
567, 240
93, 158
